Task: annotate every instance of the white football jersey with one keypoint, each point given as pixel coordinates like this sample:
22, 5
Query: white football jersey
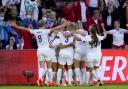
41, 37
54, 40
80, 43
93, 53
66, 41
118, 36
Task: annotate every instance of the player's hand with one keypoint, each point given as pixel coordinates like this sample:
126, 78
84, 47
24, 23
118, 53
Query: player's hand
13, 23
102, 24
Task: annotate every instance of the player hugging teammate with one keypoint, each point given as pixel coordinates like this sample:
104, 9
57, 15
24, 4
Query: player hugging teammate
67, 54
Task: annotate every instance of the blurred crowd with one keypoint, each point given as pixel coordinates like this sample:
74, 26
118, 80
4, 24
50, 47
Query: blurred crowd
27, 13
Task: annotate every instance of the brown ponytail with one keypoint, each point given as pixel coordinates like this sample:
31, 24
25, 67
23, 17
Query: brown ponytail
95, 41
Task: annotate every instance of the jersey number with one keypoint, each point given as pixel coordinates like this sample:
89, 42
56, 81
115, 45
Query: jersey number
40, 38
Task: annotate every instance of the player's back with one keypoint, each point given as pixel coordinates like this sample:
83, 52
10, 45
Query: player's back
93, 52
41, 37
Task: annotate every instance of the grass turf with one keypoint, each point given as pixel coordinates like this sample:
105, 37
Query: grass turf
76, 87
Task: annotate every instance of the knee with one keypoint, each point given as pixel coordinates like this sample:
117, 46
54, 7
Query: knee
69, 67
96, 67
82, 64
54, 67
89, 69
60, 66
49, 64
76, 64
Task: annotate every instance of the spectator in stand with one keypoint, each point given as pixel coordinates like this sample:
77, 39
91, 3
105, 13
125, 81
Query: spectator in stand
14, 13
51, 20
29, 13
118, 35
109, 15
68, 12
27, 37
3, 35
6, 31
95, 19
81, 12
115, 2
12, 44
10, 31
29, 9
94, 5
44, 18
123, 10
7, 3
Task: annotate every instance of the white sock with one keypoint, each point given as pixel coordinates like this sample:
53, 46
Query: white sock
83, 75
93, 74
87, 76
54, 75
59, 72
97, 73
78, 74
70, 74
65, 75
41, 73
47, 77
50, 74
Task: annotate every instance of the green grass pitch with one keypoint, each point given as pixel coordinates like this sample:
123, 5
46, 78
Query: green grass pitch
119, 86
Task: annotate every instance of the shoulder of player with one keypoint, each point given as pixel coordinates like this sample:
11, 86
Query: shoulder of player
121, 29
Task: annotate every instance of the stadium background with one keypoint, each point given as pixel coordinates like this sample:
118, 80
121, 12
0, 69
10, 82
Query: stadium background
114, 66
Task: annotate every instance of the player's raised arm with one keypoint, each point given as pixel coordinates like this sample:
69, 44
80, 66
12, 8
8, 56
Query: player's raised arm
105, 32
60, 26
19, 27
105, 35
76, 37
61, 46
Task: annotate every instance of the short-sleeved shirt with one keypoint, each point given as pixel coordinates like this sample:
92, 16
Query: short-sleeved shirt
118, 36
79, 44
54, 40
66, 41
93, 53
41, 37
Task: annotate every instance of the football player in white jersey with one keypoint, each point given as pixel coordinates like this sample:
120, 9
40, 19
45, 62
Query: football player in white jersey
93, 54
54, 42
80, 55
43, 51
118, 35
65, 55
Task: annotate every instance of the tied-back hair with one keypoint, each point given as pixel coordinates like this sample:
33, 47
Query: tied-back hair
95, 41
41, 23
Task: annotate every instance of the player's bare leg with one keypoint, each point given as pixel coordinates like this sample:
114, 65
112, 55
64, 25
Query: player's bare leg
82, 64
42, 72
100, 82
70, 74
59, 73
50, 73
77, 71
54, 69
